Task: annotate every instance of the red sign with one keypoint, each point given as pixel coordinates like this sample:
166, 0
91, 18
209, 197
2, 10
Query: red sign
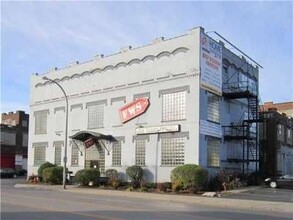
133, 109
89, 142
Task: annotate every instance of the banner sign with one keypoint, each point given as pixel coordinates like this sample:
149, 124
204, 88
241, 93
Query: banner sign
209, 128
158, 129
211, 64
133, 109
89, 142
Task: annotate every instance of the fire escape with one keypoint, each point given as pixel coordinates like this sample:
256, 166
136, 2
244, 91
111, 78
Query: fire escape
245, 131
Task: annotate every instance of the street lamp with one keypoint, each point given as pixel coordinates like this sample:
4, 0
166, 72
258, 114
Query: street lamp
66, 128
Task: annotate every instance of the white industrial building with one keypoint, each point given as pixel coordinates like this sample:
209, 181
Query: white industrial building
200, 102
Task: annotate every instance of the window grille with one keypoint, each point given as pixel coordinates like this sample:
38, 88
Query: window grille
213, 108
101, 158
174, 106
58, 148
39, 155
140, 152
41, 122
172, 151
74, 155
95, 116
213, 152
116, 153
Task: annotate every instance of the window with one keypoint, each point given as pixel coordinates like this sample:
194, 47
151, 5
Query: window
39, 154
24, 123
101, 151
172, 151
213, 108
140, 152
174, 106
58, 149
213, 151
24, 139
74, 154
281, 132
116, 153
96, 116
289, 136
41, 122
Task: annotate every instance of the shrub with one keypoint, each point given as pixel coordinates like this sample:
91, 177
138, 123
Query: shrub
112, 174
53, 175
177, 185
115, 183
164, 186
189, 176
150, 185
33, 179
85, 176
135, 173
42, 167
143, 189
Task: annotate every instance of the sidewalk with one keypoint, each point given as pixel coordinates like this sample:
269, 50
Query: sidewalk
190, 199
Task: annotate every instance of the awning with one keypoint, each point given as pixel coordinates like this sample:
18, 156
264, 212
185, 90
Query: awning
85, 135
89, 138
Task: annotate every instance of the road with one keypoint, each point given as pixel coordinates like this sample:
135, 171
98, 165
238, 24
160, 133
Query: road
266, 194
26, 203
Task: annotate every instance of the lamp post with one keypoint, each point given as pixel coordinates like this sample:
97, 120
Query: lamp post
66, 129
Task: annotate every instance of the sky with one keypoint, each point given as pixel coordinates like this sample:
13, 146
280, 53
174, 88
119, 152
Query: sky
39, 35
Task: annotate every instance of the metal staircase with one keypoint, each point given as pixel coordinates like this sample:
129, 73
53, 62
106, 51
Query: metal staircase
245, 131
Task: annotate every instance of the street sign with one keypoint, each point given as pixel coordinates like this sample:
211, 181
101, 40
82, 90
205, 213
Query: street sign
133, 109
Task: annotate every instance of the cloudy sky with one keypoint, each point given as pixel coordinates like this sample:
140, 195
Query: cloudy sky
39, 35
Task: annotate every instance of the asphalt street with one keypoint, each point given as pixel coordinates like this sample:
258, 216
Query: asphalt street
33, 203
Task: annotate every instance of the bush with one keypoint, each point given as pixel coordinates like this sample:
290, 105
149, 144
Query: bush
177, 185
33, 179
164, 186
53, 175
85, 176
112, 174
135, 173
150, 185
115, 183
42, 167
189, 176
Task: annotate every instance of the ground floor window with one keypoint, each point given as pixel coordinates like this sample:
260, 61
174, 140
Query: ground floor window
58, 147
39, 154
74, 154
116, 153
172, 151
140, 152
213, 145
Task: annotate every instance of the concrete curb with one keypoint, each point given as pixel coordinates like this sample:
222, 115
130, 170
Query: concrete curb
190, 199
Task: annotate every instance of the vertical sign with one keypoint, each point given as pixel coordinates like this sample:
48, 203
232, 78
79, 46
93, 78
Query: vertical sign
211, 64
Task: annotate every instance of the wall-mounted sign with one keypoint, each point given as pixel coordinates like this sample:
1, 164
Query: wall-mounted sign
157, 129
211, 64
133, 109
89, 142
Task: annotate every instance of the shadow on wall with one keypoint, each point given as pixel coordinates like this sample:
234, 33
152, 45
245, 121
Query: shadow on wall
148, 176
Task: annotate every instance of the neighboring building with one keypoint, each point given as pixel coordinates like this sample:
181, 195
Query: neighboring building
203, 103
14, 140
276, 138
284, 107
